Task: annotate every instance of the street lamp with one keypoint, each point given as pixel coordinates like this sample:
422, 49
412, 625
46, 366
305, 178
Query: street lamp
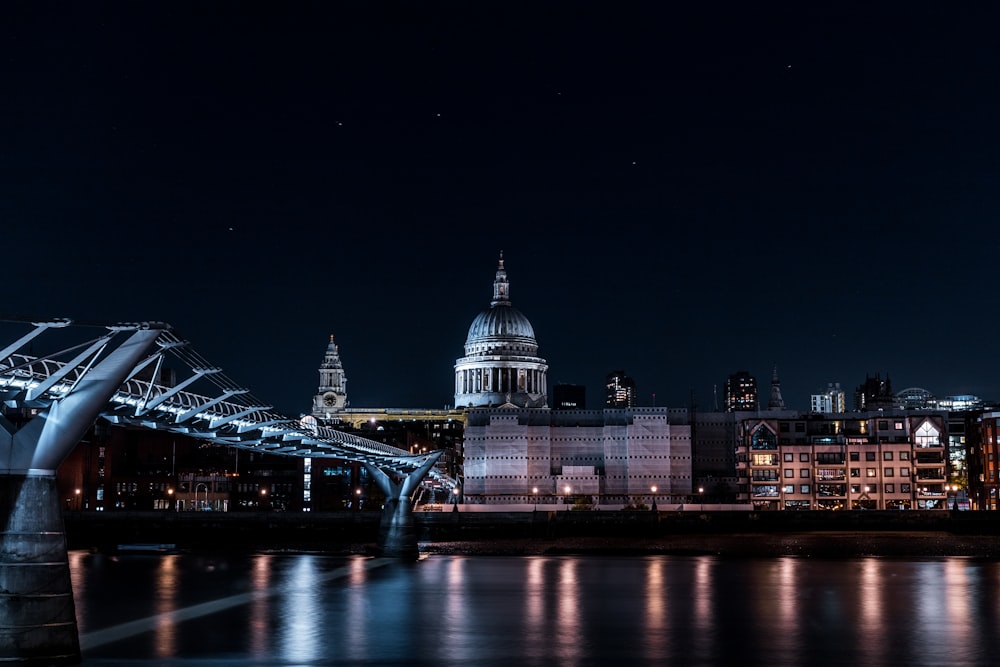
566, 489
701, 498
357, 494
653, 491
534, 495
77, 492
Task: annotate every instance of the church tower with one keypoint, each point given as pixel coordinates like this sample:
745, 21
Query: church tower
776, 402
332, 394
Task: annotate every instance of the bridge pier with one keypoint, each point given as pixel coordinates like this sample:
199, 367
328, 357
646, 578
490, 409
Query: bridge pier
37, 613
397, 534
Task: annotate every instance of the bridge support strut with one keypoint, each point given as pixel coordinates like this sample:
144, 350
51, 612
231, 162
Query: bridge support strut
397, 535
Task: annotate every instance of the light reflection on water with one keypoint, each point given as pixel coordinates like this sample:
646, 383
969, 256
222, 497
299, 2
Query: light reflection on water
319, 610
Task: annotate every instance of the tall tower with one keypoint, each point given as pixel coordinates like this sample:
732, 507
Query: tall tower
332, 394
776, 402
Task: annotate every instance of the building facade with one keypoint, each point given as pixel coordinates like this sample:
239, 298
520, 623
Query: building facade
831, 400
522, 455
879, 460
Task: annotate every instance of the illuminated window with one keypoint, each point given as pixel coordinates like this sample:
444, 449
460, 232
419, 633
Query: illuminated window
871, 472
927, 436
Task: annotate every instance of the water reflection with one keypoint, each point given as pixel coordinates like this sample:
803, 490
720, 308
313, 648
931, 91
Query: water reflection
311, 609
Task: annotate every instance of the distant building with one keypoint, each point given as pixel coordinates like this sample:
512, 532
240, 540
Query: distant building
830, 401
874, 394
620, 391
569, 397
915, 398
741, 392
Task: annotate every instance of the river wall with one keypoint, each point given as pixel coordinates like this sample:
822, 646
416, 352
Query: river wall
357, 531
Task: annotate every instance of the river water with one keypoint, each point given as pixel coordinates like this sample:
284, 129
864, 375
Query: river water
309, 609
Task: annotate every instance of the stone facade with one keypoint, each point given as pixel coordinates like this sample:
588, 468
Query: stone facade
517, 455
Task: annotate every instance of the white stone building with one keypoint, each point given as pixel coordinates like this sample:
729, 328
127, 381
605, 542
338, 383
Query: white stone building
501, 363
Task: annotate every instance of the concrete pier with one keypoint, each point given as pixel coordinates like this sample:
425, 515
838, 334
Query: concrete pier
38, 623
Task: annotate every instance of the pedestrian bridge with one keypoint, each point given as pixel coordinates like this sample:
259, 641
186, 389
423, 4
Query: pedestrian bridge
57, 377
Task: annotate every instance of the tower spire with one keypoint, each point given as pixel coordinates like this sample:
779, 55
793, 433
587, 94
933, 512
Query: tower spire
776, 402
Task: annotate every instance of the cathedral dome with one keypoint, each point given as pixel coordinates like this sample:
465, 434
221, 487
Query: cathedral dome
499, 321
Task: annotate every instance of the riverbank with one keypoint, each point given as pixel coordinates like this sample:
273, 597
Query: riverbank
822, 544
725, 534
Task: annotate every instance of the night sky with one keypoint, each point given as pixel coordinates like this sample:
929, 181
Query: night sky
680, 190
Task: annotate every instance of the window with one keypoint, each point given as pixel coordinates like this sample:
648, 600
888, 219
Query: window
871, 488
800, 427
855, 488
854, 456
804, 472
764, 459
898, 426
788, 488
886, 456
904, 456
855, 472
883, 425
763, 438
887, 472
789, 456
904, 488
890, 488
804, 457
927, 436
803, 488
789, 472
783, 427
904, 472
869, 456
871, 472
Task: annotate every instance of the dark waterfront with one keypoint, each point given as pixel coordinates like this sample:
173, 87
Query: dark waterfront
311, 609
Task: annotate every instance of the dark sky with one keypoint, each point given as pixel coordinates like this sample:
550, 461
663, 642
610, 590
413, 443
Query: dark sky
680, 190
